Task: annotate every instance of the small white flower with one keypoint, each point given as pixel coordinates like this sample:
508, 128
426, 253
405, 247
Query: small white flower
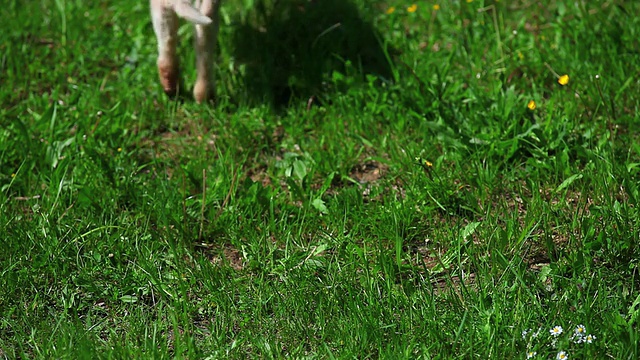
589, 338
577, 338
557, 330
562, 356
535, 334
531, 354
579, 334
525, 332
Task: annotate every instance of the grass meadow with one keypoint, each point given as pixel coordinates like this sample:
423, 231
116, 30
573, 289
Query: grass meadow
377, 179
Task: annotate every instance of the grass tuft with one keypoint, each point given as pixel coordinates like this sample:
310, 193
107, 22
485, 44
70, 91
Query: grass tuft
377, 180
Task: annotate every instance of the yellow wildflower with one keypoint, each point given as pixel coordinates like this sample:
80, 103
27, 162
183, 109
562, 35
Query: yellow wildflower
390, 10
412, 8
426, 164
436, 7
531, 105
469, 1
563, 80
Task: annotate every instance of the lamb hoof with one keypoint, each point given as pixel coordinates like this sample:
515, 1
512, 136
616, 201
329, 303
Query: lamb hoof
169, 78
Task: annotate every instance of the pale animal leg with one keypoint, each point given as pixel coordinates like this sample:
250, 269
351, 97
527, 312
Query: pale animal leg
165, 25
206, 41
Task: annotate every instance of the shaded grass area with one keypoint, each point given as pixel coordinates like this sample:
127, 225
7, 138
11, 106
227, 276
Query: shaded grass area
372, 183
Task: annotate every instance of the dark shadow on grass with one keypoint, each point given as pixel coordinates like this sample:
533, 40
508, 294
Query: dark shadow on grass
289, 47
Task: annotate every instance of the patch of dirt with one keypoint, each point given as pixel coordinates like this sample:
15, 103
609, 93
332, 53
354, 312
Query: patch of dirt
445, 283
225, 254
170, 144
369, 171
367, 174
259, 174
566, 204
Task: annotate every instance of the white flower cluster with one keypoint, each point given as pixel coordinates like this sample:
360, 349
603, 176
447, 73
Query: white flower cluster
579, 336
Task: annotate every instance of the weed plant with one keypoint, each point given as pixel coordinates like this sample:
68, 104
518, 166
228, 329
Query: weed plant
377, 179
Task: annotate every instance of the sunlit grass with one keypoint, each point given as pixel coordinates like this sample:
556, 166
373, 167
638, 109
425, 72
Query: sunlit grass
376, 180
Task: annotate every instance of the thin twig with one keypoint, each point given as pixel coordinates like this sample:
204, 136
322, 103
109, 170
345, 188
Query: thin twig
204, 200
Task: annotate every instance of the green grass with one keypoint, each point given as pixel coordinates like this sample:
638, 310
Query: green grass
368, 185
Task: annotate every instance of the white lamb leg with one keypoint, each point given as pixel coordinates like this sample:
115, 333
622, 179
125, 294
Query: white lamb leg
206, 40
165, 25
